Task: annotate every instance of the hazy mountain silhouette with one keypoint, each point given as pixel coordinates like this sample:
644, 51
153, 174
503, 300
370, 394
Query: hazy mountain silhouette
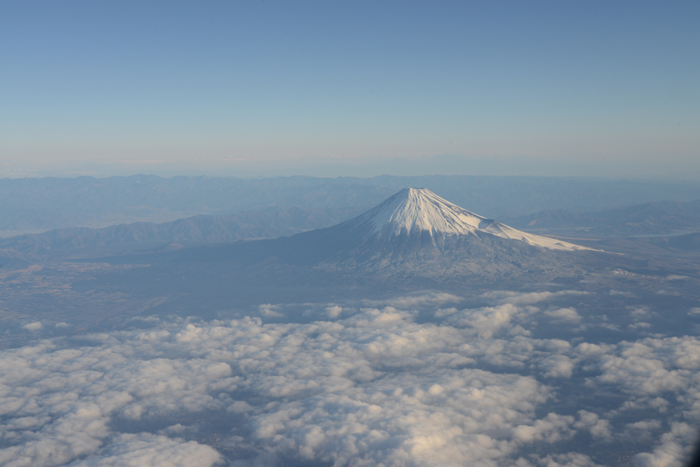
658, 218
268, 222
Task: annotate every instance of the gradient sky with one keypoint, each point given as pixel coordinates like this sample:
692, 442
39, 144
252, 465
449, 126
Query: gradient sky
603, 88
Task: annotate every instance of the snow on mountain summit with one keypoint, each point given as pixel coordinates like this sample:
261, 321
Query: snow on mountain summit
413, 210
420, 209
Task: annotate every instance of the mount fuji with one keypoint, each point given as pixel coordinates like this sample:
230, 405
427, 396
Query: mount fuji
420, 212
413, 240
413, 234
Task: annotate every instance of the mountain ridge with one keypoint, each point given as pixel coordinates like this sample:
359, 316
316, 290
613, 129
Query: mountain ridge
658, 218
270, 222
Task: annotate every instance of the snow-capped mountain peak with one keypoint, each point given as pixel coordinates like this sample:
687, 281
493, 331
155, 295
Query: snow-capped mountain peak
420, 209
415, 210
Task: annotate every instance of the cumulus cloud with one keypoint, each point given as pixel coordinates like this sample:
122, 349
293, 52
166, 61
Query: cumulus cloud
144, 449
564, 314
448, 420
674, 450
371, 387
639, 311
326, 391
508, 310
487, 321
34, 326
334, 311
598, 427
557, 366
270, 311
652, 366
622, 293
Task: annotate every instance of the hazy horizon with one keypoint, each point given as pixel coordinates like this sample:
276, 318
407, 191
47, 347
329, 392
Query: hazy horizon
330, 167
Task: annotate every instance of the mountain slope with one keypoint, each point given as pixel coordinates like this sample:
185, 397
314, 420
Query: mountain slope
658, 218
262, 223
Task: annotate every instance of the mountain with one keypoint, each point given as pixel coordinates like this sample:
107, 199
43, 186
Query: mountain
268, 222
414, 233
658, 218
12, 259
419, 211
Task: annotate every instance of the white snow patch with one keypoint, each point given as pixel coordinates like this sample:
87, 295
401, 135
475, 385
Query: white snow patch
421, 210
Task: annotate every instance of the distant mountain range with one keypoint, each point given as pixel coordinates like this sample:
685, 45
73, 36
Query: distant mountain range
270, 222
28, 205
659, 218
35, 205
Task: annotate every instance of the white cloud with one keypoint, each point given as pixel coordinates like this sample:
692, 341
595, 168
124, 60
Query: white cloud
374, 388
586, 349
444, 421
487, 321
557, 366
552, 428
598, 427
564, 314
644, 425
674, 449
651, 366
334, 311
34, 326
622, 293
146, 450
639, 311
270, 311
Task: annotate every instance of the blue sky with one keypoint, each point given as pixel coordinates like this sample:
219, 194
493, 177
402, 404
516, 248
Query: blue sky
266, 88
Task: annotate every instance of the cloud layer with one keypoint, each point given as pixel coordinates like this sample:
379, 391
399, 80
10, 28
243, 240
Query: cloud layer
368, 386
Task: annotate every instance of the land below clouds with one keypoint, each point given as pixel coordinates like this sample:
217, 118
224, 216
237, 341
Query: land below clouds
94, 292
